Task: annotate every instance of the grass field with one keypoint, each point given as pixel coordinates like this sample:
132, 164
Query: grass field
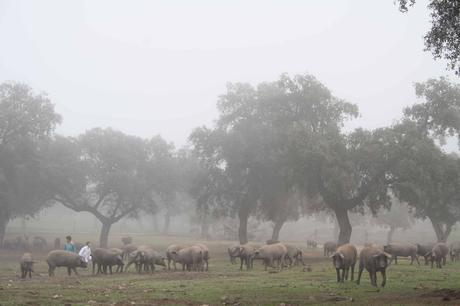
224, 284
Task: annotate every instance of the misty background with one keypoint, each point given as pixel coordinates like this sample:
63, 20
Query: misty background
152, 67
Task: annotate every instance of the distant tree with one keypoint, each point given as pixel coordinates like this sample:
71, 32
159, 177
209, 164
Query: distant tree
102, 172
425, 178
164, 173
228, 157
291, 129
279, 207
27, 121
443, 39
439, 114
344, 172
398, 217
196, 181
428, 178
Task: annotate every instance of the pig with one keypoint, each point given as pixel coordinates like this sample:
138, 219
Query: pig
402, 249
438, 253
343, 259
373, 245
206, 256
329, 248
294, 255
107, 258
374, 260
127, 249
126, 240
169, 257
119, 252
191, 258
423, 249
58, 258
312, 244
246, 253
270, 253
27, 265
454, 251
135, 257
233, 252
150, 258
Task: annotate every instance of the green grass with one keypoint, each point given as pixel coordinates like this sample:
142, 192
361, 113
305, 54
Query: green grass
224, 284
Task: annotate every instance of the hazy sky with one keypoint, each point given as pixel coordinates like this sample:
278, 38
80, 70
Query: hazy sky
157, 67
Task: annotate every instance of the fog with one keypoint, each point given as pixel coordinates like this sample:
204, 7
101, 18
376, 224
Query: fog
153, 67
158, 67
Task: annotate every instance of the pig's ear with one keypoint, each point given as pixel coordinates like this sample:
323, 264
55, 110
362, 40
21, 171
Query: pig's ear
337, 254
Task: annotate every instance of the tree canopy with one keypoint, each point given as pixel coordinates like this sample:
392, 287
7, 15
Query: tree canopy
443, 39
103, 172
27, 121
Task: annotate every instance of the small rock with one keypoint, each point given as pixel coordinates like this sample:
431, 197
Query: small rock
55, 296
91, 302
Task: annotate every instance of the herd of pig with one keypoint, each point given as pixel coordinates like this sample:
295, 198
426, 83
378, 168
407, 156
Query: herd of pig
373, 258
143, 257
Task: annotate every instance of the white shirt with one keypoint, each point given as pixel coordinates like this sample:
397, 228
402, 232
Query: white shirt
85, 252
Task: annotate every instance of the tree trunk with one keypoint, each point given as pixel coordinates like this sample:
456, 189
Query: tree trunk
336, 230
167, 222
344, 225
390, 234
243, 215
277, 228
442, 230
3, 224
104, 238
4, 219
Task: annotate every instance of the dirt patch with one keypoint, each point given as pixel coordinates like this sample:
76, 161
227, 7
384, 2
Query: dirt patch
157, 302
445, 294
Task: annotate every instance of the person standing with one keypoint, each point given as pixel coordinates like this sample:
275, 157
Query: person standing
69, 246
85, 252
